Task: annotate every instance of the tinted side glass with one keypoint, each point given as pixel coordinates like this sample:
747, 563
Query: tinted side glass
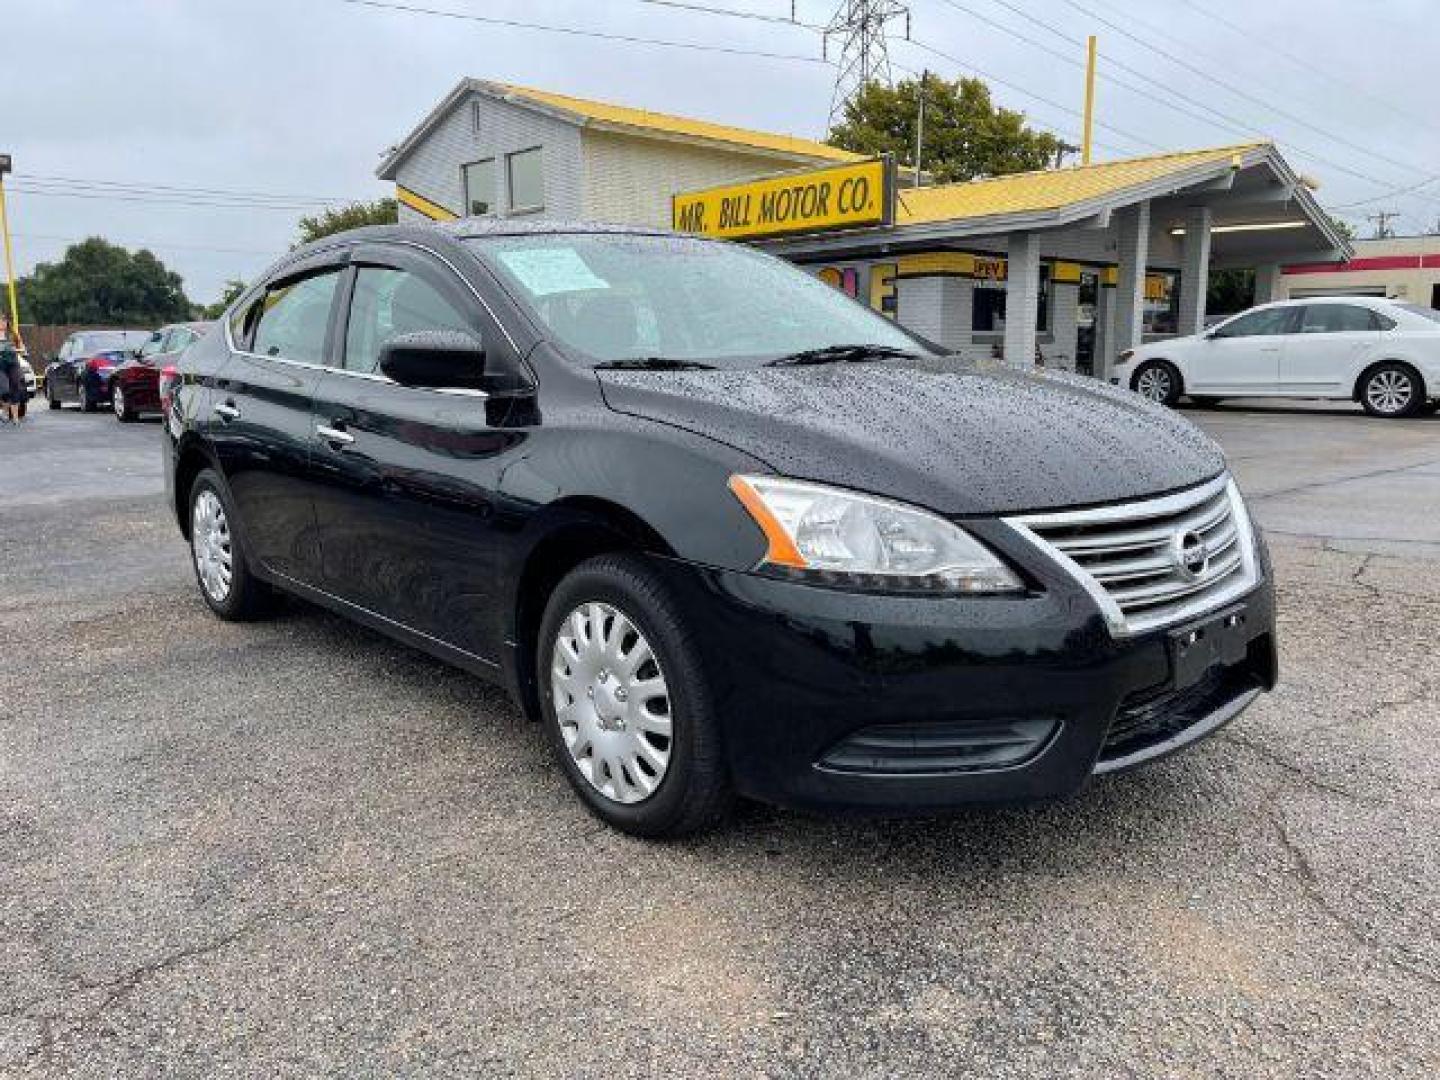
1335, 319
294, 317
387, 303
154, 345
1258, 324
1381, 322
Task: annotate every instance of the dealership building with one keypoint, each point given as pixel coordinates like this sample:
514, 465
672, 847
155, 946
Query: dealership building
1400, 268
1070, 265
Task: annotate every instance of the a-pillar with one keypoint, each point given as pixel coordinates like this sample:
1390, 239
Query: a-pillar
1133, 249
1267, 283
1022, 298
1194, 270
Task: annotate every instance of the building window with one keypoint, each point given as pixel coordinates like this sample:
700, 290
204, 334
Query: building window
527, 181
479, 178
988, 313
1162, 303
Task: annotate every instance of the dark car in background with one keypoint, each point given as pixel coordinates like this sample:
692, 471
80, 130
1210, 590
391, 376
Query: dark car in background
717, 527
135, 384
80, 372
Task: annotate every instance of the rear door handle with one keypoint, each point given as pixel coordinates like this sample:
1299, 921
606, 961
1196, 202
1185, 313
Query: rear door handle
334, 436
226, 411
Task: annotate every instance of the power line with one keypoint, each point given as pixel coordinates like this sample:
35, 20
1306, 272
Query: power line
707, 9
1300, 62
151, 185
1225, 121
154, 200
1239, 92
574, 31
138, 244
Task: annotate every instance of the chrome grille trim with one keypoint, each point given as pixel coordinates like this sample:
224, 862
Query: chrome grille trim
1125, 555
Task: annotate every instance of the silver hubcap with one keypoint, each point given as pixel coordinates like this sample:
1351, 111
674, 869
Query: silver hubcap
1389, 391
611, 703
210, 540
119, 402
1154, 383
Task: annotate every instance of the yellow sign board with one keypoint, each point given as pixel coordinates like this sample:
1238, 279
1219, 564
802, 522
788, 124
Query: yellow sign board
816, 200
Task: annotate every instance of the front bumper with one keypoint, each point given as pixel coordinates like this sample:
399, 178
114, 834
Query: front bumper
852, 701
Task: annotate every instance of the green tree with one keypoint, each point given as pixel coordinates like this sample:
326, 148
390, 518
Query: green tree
1343, 227
966, 134
353, 216
233, 288
102, 283
1231, 289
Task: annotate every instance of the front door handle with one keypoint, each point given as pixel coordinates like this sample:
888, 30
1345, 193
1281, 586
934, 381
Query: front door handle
334, 436
227, 411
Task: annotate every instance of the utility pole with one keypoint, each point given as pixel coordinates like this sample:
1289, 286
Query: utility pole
5, 166
861, 27
920, 126
1087, 136
1382, 219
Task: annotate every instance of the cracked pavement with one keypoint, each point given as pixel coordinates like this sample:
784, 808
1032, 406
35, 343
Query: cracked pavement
294, 848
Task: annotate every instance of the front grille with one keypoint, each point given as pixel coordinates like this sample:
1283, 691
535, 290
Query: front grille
1158, 561
932, 746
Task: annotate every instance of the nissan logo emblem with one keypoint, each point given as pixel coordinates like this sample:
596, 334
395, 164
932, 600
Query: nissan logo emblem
1191, 554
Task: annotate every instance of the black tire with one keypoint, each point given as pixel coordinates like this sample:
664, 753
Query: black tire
248, 597
50, 398
83, 397
694, 793
1392, 390
1158, 381
117, 404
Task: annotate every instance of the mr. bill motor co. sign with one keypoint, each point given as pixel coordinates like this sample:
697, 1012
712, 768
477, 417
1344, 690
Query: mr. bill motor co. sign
817, 200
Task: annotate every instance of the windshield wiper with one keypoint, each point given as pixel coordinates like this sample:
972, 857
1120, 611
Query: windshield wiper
840, 354
653, 363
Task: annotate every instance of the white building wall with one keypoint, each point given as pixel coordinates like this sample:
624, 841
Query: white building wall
630, 180
480, 127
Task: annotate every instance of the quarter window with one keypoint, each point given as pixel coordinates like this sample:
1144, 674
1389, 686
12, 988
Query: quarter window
479, 177
1266, 323
294, 317
527, 181
387, 303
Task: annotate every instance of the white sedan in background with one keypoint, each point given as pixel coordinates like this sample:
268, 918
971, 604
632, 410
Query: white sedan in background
1384, 354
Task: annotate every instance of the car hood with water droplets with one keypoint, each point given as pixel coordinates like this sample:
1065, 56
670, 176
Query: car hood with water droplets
958, 437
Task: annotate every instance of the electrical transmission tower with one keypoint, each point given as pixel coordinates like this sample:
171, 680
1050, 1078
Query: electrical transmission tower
1382, 219
860, 26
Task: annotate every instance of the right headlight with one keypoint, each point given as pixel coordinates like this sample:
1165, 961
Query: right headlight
838, 537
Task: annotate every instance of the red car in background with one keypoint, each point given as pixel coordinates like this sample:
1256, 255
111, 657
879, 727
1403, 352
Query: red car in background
135, 384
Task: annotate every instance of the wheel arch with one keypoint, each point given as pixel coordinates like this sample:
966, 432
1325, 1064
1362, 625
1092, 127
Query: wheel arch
191, 458
1403, 361
576, 529
1168, 362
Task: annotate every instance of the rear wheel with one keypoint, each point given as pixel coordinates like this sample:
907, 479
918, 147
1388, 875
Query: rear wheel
625, 703
221, 570
83, 396
120, 405
1157, 381
1392, 391
50, 398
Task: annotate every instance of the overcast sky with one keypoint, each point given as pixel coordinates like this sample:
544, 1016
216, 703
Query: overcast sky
298, 98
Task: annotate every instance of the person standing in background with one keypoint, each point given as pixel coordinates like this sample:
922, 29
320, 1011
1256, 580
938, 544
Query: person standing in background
12, 379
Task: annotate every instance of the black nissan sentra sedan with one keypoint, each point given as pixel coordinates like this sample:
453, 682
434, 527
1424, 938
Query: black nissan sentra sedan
719, 528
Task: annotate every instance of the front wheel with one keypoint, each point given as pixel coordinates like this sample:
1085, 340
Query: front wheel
224, 576
1157, 381
1392, 391
625, 703
50, 398
83, 396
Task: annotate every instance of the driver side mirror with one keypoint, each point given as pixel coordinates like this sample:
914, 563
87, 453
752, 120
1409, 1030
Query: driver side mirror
435, 360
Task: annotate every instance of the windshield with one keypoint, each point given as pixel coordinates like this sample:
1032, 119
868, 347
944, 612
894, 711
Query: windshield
1424, 312
617, 298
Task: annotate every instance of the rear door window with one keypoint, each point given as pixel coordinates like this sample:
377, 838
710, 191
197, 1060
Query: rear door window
294, 318
1335, 319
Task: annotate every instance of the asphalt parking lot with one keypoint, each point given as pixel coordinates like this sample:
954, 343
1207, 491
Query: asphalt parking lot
295, 849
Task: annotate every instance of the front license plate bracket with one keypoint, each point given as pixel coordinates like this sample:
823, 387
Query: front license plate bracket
1196, 648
